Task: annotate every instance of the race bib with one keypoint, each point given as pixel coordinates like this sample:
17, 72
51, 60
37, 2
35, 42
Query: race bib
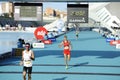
28, 62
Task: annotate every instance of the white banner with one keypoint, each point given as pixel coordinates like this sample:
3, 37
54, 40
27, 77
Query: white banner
38, 45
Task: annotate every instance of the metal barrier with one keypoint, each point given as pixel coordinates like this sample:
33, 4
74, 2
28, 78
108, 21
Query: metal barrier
17, 51
5, 56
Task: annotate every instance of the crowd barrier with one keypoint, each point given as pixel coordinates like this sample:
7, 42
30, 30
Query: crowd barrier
17, 51
5, 55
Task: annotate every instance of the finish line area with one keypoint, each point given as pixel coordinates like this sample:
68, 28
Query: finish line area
91, 58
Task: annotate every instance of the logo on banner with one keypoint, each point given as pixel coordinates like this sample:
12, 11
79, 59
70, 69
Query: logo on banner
40, 32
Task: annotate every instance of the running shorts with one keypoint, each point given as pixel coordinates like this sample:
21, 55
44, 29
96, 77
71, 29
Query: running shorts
66, 51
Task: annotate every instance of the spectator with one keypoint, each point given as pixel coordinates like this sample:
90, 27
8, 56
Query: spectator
19, 43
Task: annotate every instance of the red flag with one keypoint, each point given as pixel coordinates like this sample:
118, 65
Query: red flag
40, 32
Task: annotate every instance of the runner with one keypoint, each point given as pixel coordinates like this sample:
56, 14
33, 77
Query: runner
77, 30
67, 48
27, 57
77, 34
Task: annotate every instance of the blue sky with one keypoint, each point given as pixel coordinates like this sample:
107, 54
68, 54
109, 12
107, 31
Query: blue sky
55, 5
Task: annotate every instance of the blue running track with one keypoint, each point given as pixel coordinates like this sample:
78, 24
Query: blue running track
92, 58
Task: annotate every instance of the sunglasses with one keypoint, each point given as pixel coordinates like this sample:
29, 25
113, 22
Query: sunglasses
27, 46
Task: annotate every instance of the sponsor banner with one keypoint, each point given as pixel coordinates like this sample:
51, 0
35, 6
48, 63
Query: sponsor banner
52, 39
47, 41
114, 42
40, 32
117, 46
38, 45
110, 39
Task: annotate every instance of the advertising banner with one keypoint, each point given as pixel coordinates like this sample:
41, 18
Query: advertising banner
40, 32
77, 13
38, 45
114, 42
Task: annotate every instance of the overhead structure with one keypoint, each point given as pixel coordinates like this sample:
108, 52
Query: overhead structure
62, 0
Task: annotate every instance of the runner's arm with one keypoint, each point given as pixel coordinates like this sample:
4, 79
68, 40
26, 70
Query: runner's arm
32, 56
61, 44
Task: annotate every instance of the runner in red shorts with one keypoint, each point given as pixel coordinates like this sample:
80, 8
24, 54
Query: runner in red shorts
67, 48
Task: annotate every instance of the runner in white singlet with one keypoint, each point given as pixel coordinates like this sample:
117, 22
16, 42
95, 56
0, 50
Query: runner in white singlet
27, 58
